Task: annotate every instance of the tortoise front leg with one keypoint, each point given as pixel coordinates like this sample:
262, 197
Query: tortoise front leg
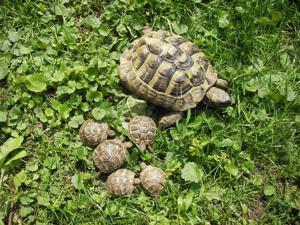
142, 146
220, 83
169, 119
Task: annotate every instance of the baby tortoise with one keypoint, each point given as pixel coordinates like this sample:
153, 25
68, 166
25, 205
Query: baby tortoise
121, 182
141, 131
110, 155
152, 179
93, 133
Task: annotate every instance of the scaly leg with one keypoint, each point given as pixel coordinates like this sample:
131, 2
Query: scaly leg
169, 119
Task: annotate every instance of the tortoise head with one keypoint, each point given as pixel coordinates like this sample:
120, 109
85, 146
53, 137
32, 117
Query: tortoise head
217, 97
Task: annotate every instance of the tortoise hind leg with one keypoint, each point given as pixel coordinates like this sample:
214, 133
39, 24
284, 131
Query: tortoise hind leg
169, 119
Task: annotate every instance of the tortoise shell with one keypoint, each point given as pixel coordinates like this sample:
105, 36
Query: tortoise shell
92, 133
121, 182
152, 179
166, 70
109, 155
142, 130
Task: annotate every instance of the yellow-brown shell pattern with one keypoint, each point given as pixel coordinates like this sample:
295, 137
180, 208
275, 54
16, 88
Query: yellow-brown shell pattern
153, 180
92, 133
120, 182
109, 155
166, 70
142, 129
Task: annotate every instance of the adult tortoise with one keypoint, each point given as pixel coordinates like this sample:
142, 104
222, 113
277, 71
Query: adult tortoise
171, 72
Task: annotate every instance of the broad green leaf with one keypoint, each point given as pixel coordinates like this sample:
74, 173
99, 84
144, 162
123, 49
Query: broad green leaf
232, 169
295, 203
36, 82
291, 95
98, 113
24, 50
94, 95
188, 200
240, 9
3, 70
20, 178
25, 211
32, 166
121, 29
3, 116
133, 106
58, 76
5, 46
253, 85
192, 172
60, 10
61, 90
214, 193
85, 106
81, 153
76, 121
223, 21
92, 21
263, 90
17, 156
43, 199
269, 190
14, 36
180, 204
244, 208
64, 110
40, 114
285, 59
21, 126
77, 181
9, 146
276, 16
180, 28
258, 64
70, 35
297, 120
49, 112
104, 30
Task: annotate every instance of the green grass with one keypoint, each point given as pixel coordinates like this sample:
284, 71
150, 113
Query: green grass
58, 67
